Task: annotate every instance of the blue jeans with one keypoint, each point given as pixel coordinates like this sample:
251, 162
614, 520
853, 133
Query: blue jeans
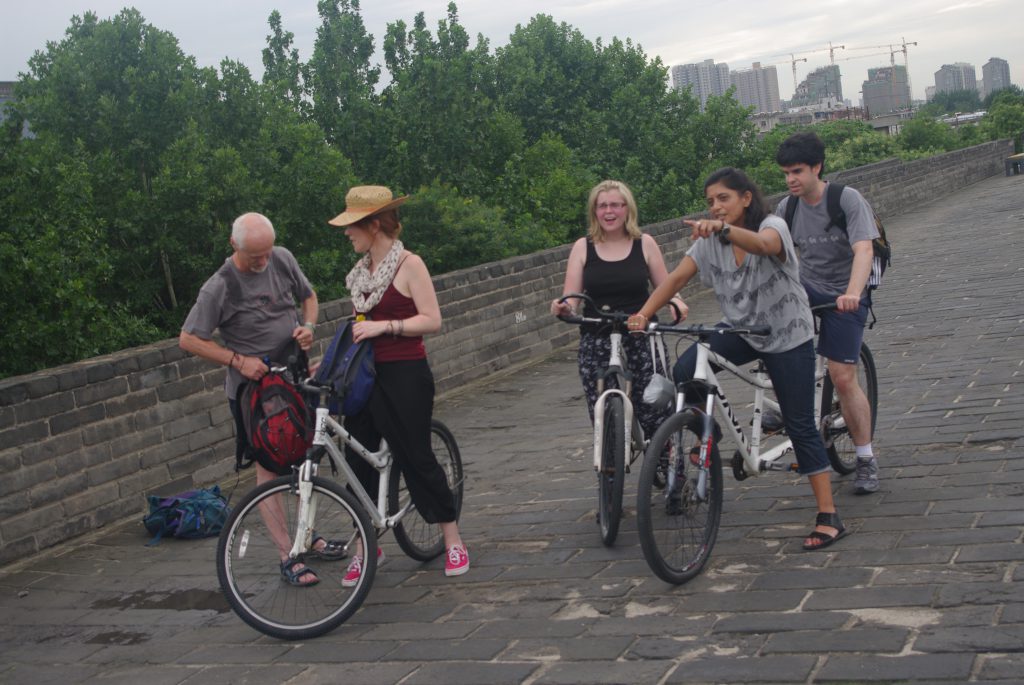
792, 375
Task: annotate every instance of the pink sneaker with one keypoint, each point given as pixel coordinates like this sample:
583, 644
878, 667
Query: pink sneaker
458, 561
355, 569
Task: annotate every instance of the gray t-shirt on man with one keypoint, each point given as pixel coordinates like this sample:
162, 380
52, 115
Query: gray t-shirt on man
760, 291
826, 255
255, 312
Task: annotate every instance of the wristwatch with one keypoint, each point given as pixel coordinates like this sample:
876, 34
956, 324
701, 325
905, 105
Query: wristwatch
723, 235
310, 325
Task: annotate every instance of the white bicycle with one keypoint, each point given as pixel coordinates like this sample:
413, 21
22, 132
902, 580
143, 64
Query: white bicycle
287, 515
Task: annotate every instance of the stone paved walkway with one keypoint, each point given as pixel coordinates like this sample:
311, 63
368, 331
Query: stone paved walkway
928, 588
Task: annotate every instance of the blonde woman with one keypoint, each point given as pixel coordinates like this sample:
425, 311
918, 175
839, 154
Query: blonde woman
615, 264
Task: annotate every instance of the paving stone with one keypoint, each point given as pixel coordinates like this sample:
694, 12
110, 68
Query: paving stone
727, 669
858, 598
602, 673
568, 649
867, 639
1002, 666
472, 673
1003, 638
447, 650
781, 622
935, 667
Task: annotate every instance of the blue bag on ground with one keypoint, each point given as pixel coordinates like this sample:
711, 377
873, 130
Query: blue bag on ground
194, 514
348, 367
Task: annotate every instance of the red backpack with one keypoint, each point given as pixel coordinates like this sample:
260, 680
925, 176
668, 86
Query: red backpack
277, 422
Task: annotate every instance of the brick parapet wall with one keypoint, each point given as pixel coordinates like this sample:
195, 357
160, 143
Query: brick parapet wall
82, 444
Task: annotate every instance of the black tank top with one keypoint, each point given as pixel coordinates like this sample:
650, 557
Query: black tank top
621, 285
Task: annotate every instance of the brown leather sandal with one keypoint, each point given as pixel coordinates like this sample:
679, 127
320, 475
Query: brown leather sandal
823, 540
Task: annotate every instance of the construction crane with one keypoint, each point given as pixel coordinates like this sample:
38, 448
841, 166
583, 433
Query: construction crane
793, 59
906, 65
873, 54
831, 52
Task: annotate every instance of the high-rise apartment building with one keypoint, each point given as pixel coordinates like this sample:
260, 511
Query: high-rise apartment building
704, 79
995, 75
758, 87
959, 76
886, 90
822, 84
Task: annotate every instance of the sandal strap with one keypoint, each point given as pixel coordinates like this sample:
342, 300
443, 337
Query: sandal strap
830, 519
288, 569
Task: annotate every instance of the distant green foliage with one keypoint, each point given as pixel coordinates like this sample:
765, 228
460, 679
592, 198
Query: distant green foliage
952, 101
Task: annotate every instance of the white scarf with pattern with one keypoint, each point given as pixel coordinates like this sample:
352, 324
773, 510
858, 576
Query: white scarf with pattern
367, 288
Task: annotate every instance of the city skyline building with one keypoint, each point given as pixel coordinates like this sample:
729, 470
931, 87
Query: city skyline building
824, 84
886, 90
703, 78
995, 75
957, 76
758, 87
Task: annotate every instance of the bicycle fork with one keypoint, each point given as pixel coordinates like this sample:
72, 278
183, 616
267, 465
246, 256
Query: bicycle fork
306, 515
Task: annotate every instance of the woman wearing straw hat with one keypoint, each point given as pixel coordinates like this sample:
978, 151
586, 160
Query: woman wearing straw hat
392, 289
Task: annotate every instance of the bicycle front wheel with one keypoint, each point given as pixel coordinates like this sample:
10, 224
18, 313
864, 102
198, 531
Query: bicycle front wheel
612, 475
838, 442
260, 530
678, 522
420, 540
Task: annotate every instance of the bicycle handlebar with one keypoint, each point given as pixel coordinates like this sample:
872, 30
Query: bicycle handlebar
603, 315
703, 331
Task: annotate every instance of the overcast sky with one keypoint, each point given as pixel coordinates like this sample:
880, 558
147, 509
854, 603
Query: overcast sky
737, 32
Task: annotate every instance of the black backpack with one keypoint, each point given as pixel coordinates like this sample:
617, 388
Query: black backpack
881, 246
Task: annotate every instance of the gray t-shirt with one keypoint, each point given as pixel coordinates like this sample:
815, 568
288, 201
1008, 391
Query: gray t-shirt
762, 290
255, 312
826, 255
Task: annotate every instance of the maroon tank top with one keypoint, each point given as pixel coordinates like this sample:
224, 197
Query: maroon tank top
394, 306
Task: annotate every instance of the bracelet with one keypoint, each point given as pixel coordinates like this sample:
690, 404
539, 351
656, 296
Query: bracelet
231, 362
389, 328
310, 325
401, 328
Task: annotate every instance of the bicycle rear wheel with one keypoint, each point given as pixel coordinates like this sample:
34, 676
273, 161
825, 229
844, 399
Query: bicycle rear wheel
677, 524
612, 475
420, 540
261, 528
841, 452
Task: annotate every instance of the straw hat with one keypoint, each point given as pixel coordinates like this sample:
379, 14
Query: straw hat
364, 201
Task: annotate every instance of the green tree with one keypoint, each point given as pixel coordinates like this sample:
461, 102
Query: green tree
952, 101
862, 149
57, 268
282, 69
341, 84
1012, 94
544, 191
1005, 120
452, 231
925, 134
444, 125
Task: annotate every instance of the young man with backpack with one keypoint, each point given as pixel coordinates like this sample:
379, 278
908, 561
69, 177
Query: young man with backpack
251, 300
835, 266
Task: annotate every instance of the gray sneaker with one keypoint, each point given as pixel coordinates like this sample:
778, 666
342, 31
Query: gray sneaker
866, 480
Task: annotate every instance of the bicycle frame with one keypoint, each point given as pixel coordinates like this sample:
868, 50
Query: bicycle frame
323, 439
755, 461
